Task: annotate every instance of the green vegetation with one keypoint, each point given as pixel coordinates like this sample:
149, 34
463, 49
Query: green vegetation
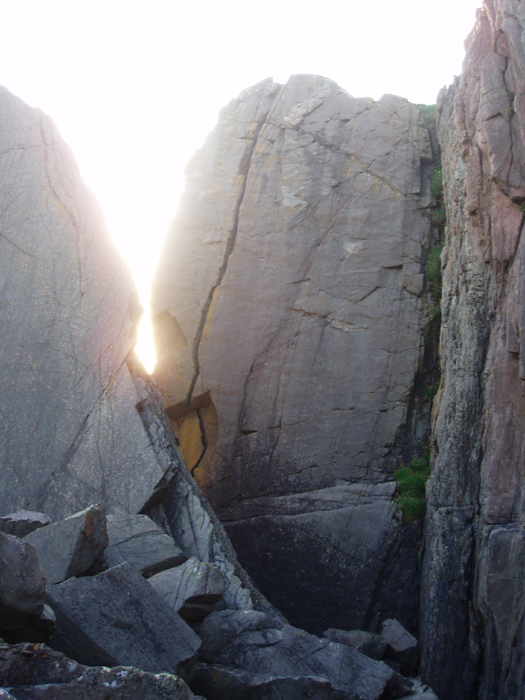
434, 272
428, 113
430, 390
411, 487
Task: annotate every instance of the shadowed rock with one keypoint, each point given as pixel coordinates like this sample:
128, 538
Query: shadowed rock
367, 643
254, 652
22, 585
192, 589
39, 673
70, 547
401, 646
23, 522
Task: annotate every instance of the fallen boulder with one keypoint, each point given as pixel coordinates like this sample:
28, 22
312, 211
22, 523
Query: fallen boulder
31, 671
192, 589
117, 618
22, 585
70, 547
401, 647
137, 539
248, 649
367, 643
23, 522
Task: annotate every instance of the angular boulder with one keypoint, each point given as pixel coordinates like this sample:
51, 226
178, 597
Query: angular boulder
401, 647
367, 643
117, 618
250, 650
23, 522
138, 540
192, 589
288, 317
22, 585
70, 547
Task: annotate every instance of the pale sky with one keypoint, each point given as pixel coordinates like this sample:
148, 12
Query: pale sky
134, 86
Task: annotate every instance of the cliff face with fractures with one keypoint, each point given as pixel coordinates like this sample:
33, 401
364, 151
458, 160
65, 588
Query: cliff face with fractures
288, 310
473, 591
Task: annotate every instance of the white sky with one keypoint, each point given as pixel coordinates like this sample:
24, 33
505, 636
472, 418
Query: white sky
134, 86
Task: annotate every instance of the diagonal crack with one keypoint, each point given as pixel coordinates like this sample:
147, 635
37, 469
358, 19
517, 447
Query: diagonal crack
244, 169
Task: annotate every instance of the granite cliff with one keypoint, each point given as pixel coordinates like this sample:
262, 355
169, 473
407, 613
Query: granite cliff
289, 315
295, 327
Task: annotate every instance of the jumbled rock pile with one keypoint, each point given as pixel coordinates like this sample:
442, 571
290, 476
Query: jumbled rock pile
86, 586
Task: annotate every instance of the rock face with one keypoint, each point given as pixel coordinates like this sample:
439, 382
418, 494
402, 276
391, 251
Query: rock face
288, 323
81, 422
473, 594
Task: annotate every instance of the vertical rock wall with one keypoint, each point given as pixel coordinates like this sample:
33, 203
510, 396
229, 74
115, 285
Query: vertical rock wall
473, 593
288, 315
80, 421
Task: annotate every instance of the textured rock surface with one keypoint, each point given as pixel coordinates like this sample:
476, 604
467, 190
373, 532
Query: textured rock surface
473, 594
367, 643
117, 618
137, 539
71, 546
288, 323
192, 589
70, 435
22, 584
252, 650
36, 671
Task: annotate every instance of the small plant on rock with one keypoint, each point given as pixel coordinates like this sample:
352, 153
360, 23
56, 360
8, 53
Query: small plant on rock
411, 487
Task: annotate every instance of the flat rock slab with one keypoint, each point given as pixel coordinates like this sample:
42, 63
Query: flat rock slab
22, 584
257, 645
23, 522
117, 618
70, 547
138, 540
192, 589
31, 671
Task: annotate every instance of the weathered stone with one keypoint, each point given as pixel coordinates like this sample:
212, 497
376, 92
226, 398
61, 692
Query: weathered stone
32, 672
70, 547
116, 617
401, 647
367, 643
473, 609
137, 539
22, 585
288, 314
263, 652
192, 589
23, 522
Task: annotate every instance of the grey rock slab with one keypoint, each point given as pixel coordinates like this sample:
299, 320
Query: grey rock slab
256, 644
288, 297
22, 584
23, 522
192, 589
367, 643
36, 671
116, 617
69, 317
70, 547
138, 540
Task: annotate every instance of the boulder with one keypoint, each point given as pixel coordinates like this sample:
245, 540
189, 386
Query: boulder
192, 589
22, 585
23, 522
288, 317
367, 643
39, 630
117, 618
401, 647
36, 672
252, 650
138, 540
70, 547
